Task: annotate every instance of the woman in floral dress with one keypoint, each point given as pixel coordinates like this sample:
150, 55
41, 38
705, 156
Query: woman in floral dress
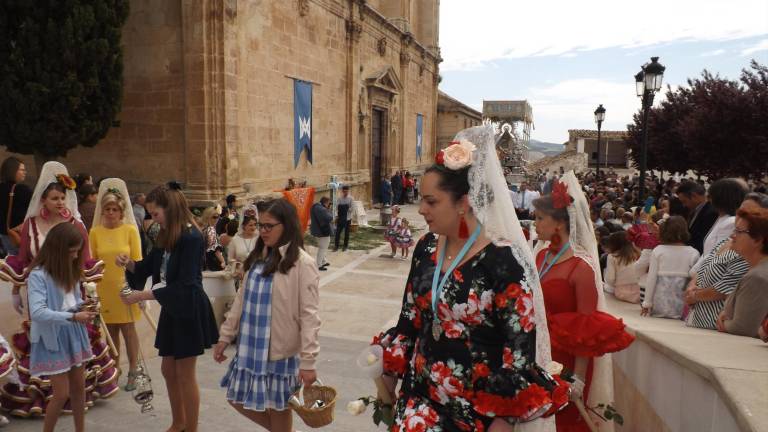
467, 359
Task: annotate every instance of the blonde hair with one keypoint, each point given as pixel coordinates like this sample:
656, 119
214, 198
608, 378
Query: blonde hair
113, 198
205, 217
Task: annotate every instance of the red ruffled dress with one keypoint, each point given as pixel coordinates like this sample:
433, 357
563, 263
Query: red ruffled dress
31, 397
576, 327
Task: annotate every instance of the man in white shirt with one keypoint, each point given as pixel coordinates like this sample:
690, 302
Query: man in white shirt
524, 202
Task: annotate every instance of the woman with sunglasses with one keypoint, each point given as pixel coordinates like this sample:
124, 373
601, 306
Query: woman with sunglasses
214, 251
278, 344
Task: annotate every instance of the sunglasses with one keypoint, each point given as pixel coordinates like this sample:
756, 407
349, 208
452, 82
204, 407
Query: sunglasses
266, 227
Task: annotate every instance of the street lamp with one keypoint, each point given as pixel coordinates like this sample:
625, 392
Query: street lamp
647, 83
599, 117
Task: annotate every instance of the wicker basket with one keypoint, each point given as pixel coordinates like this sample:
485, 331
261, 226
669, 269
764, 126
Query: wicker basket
319, 417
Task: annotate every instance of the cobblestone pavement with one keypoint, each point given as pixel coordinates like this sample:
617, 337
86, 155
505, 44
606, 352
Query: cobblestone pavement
359, 295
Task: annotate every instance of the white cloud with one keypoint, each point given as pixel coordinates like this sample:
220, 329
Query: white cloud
571, 104
475, 33
714, 53
760, 46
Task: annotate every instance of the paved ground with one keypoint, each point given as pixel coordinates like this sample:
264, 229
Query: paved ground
359, 295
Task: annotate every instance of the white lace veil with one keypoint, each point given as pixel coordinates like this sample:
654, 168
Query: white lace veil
584, 246
492, 205
104, 187
47, 176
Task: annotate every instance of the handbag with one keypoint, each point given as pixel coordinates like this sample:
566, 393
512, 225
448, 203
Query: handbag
14, 234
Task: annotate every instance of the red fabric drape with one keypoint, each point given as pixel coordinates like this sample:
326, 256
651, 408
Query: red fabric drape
302, 199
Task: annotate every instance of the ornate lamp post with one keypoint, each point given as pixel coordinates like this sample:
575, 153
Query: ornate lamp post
647, 83
599, 117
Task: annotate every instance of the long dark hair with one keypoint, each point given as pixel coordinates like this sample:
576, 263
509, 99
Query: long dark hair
618, 243
177, 215
9, 169
54, 255
285, 213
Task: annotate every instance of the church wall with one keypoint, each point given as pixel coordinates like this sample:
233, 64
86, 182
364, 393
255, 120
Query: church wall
208, 96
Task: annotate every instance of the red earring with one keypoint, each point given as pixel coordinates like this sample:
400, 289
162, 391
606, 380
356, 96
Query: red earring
44, 213
556, 242
463, 228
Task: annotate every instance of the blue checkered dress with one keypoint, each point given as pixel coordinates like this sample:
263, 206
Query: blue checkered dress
252, 380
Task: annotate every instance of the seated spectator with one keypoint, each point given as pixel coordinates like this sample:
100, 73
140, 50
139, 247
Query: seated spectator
746, 308
716, 275
620, 273
668, 273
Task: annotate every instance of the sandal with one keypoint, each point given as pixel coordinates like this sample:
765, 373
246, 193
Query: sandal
131, 384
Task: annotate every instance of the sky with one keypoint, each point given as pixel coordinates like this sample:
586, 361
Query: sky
566, 57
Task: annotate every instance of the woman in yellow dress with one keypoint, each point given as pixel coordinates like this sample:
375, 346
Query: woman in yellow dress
115, 233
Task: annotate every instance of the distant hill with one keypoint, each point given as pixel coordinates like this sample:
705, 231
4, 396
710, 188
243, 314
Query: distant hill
548, 149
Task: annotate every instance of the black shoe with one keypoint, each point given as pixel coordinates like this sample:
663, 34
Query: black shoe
326, 264
323, 268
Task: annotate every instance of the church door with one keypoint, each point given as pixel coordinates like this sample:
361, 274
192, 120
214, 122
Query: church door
378, 128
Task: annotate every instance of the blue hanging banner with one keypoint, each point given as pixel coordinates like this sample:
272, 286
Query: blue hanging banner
302, 120
419, 134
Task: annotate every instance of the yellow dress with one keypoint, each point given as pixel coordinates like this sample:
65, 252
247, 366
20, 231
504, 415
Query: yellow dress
106, 245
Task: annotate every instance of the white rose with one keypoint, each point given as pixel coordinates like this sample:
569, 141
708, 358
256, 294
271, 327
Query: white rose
459, 155
90, 289
356, 407
554, 368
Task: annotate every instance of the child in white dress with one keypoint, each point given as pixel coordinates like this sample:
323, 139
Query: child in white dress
671, 263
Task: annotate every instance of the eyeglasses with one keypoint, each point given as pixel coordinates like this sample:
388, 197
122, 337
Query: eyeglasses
740, 231
266, 227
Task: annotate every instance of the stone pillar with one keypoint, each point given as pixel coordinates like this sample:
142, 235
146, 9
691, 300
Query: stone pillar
354, 31
209, 80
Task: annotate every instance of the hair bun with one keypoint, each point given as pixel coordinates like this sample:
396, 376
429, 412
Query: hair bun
174, 185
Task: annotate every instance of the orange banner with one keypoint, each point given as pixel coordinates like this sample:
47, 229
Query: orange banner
302, 199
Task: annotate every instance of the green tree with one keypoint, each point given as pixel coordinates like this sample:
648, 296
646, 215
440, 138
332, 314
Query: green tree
61, 73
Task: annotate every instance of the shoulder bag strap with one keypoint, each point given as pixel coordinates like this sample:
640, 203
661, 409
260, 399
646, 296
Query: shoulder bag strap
10, 208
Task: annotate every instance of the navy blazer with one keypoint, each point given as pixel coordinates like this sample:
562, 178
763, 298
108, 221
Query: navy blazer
45, 300
184, 275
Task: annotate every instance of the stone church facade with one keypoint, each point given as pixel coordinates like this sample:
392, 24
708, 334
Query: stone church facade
208, 94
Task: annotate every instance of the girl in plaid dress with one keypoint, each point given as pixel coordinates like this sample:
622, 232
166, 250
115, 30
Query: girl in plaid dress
275, 352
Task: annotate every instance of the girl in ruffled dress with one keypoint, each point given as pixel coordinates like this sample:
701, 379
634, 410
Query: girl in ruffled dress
394, 225
404, 238
59, 339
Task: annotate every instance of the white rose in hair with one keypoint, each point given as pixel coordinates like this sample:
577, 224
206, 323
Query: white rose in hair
458, 155
356, 407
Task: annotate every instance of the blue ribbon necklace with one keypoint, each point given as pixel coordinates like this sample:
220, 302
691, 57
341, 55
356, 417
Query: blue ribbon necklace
438, 284
546, 268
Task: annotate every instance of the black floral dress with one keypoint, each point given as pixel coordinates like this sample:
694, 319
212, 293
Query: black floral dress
482, 364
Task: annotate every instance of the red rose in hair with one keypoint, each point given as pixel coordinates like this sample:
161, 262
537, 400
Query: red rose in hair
560, 197
440, 158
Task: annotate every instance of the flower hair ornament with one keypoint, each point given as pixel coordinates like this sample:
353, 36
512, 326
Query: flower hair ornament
115, 192
457, 156
66, 181
560, 197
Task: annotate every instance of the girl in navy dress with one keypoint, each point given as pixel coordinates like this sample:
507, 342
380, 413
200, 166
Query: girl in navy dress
59, 339
186, 326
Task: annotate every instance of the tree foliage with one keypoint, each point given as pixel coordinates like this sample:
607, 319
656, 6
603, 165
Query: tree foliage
713, 126
61, 73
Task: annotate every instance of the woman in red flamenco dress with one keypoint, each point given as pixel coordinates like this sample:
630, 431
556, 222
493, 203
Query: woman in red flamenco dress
53, 202
581, 333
